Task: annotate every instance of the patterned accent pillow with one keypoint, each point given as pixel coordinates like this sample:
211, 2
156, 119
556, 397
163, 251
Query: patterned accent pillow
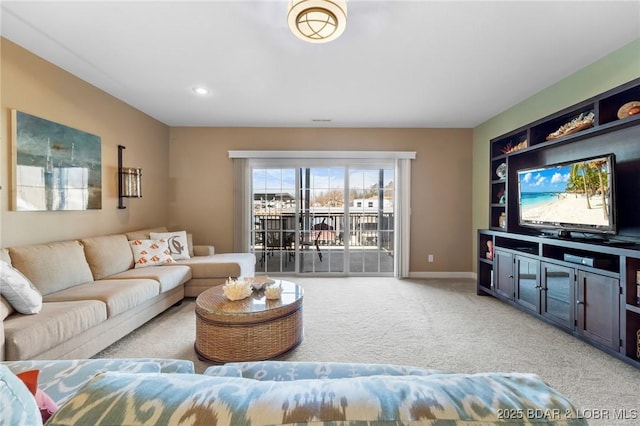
18, 290
177, 241
18, 405
150, 253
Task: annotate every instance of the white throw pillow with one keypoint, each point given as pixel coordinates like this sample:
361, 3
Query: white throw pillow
18, 290
177, 241
150, 253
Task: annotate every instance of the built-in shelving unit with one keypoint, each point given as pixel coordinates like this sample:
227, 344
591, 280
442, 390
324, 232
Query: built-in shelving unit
597, 300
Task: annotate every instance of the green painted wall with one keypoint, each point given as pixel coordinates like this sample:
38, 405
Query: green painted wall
613, 70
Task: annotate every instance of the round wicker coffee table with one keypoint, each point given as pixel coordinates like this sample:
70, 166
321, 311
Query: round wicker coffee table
252, 329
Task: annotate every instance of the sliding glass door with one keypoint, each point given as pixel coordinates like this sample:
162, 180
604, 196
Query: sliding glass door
275, 219
323, 219
371, 214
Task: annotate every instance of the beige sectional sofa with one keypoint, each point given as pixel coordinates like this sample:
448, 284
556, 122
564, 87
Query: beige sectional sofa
93, 296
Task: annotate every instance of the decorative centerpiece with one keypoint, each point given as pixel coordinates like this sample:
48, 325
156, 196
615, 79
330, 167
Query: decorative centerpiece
273, 291
236, 289
258, 283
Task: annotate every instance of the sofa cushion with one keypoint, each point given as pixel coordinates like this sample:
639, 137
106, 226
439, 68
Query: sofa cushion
169, 277
52, 267
150, 253
177, 242
221, 265
201, 250
143, 234
18, 290
57, 322
289, 370
119, 295
107, 255
18, 405
226, 370
197, 399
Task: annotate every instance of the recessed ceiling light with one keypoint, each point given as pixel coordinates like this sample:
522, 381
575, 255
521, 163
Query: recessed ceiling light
202, 91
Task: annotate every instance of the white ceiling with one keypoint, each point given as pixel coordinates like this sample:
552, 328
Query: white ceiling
398, 64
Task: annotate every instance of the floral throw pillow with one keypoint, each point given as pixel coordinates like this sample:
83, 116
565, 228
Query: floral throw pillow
177, 241
150, 253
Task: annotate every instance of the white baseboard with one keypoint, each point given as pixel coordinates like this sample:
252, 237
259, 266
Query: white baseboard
471, 275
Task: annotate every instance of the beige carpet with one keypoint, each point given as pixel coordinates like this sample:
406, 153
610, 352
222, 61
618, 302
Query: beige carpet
439, 324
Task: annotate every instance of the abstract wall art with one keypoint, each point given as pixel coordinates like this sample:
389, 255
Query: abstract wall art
55, 167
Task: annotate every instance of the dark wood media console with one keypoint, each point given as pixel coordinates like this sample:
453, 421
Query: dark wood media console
587, 285
595, 303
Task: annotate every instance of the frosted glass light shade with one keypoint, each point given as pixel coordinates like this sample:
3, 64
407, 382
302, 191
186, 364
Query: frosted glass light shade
131, 182
317, 21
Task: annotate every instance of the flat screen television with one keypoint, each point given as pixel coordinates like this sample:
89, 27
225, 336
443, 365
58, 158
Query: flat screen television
575, 196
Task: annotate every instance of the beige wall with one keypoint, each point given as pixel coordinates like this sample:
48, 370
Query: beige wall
187, 182
202, 188
37, 87
613, 70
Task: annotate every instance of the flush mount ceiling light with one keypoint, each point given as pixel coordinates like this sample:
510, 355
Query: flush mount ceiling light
317, 21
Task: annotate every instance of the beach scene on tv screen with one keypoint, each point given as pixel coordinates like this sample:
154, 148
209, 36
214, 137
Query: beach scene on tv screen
577, 193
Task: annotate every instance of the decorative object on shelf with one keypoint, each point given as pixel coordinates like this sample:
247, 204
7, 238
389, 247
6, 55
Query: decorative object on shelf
629, 109
638, 288
501, 171
502, 220
489, 253
129, 181
581, 122
273, 291
502, 196
317, 21
509, 147
236, 289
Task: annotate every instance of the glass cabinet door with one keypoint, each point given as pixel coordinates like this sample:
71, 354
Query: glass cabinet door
558, 294
503, 266
527, 283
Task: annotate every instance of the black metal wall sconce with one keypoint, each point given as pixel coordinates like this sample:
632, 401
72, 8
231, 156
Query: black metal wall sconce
129, 181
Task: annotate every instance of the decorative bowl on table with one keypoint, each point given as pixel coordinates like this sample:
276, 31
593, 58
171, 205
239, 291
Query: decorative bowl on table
259, 283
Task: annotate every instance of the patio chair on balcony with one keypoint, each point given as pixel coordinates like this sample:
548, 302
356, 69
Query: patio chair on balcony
319, 232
